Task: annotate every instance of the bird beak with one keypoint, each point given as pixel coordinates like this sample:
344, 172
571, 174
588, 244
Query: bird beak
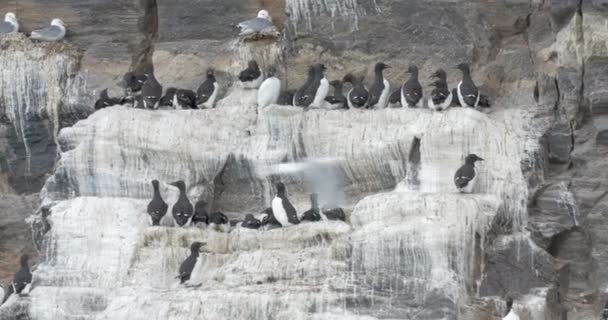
173, 184
480, 159
387, 67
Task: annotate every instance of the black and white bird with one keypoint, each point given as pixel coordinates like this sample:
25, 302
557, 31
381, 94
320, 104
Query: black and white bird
252, 77
337, 100
466, 176
105, 101
282, 209
54, 32
9, 25
411, 92
268, 219
22, 280
358, 96
298, 98
206, 94
316, 92
200, 213
394, 101
269, 90
251, 222
510, 315
219, 221
178, 99
441, 96
467, 91
151, 91
314, 213
334, 213
186, 268
605, 312
380, 90
182, 209
132, 82
157, 208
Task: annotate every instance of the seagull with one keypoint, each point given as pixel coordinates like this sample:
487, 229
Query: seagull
10, 24
55, 32
259, 24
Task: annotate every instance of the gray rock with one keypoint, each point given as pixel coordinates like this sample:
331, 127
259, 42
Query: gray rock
560, 142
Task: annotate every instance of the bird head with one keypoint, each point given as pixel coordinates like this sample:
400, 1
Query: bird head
210, 73
10, 17
179, 184
271, 71
195, 247
280, 188
57, 22
472, 158
381, 66
263, 14
464, 67
412, 69
253, 65
439, 74
24, 260
319, 68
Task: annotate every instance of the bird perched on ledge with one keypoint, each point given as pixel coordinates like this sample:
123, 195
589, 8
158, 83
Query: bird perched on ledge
55, 32
10, 24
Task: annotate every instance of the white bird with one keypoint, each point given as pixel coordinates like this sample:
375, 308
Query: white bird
259, 24
269, 90
10, 24
55, 32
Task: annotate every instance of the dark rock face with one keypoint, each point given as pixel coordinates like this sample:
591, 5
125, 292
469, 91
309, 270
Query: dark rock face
560, 142
516, 265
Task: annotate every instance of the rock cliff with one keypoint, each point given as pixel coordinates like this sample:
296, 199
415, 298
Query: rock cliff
412, 248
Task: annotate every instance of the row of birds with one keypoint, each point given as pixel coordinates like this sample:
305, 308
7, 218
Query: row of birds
144, 91
281, 213
54, 32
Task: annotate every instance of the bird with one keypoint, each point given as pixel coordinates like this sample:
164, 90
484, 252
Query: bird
282, 209
10, 24
269, 219
605, 313
468, 93
394, 101
441, 96
22, 280
313, 214
466, 176
252, 77
334, 213
219, 221
157, 208
200, 213
251, 222
411, 92
182, 209
178, 99
269, 90
54, 32
380, 89
185, 269
338, 100
167, 99
151, 91
206, 94
298, 97
105, 101
358, 96
133, 81
315, 94
261, 23
510, 315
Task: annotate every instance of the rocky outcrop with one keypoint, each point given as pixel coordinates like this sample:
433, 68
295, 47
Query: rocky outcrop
536, 227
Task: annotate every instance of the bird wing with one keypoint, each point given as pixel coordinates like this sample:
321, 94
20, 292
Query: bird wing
469, 93
292, 215
254, 25
51, 33
463, 175
6, 27
205, 90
